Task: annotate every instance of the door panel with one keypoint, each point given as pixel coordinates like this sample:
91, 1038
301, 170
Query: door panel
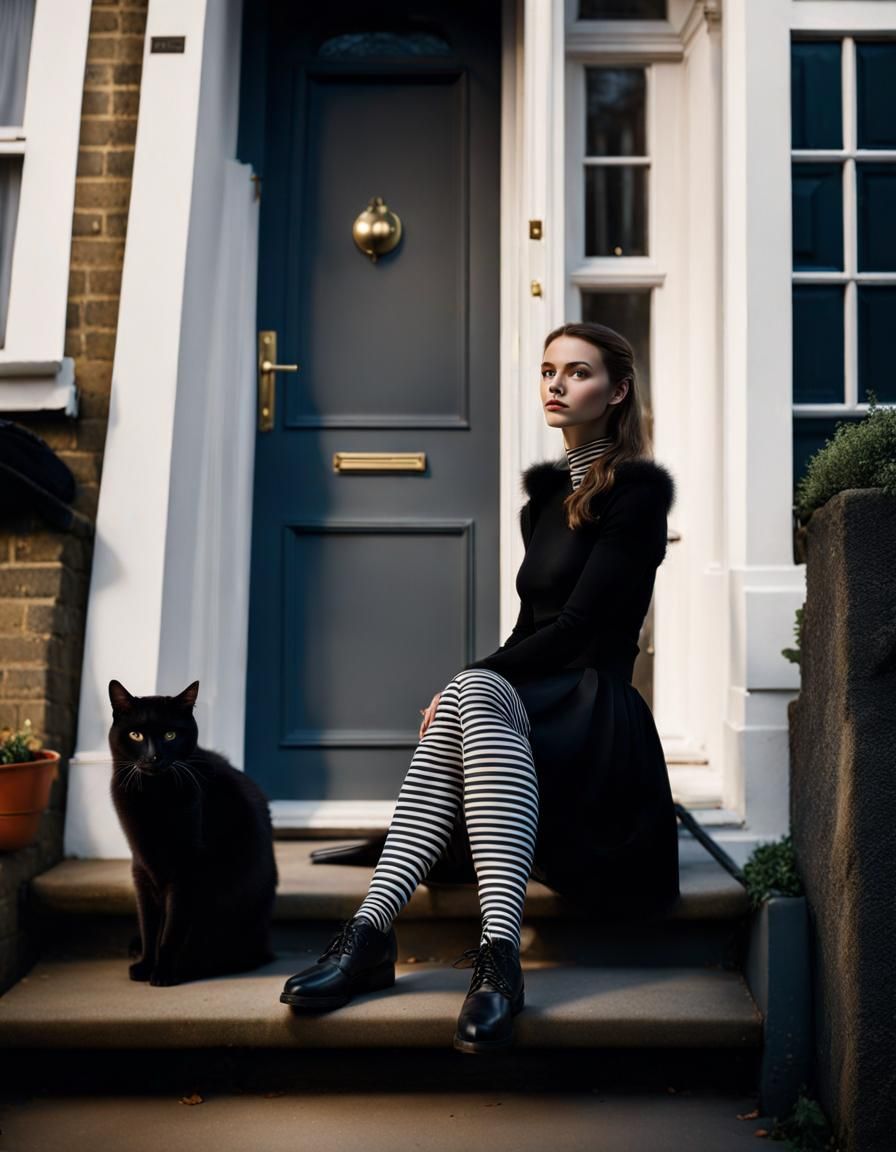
404, 321
370, 590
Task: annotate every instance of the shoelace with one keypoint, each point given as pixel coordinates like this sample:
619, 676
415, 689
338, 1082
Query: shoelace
485, 967
344, 941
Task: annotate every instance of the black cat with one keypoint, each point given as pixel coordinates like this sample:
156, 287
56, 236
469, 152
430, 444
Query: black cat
201, 840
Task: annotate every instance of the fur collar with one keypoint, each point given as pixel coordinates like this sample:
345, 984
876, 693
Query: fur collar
543, 477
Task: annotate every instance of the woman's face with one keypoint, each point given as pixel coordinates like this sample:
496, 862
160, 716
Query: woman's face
573, 372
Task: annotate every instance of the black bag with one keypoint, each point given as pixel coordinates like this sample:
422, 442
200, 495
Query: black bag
34, 480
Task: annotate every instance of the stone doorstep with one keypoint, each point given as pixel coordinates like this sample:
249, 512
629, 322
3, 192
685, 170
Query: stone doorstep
92, 1004
334, 891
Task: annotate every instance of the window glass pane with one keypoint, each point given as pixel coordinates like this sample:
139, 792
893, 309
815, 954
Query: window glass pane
629, 314
875, 94
810, 434
877, 322
816, 119
817, 206
615, 211
622, 9
818, 343
354, 44
876, 217
16, 21
10, 182
614, 112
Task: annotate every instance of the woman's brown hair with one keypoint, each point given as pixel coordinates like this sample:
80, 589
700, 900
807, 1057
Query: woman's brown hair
627, 422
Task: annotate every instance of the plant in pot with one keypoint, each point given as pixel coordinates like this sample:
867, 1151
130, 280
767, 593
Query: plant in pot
27, 771
777, 971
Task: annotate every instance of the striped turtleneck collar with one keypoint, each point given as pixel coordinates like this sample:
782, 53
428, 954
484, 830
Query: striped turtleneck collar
581, 458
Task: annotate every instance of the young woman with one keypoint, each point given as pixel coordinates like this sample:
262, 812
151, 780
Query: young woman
542, 758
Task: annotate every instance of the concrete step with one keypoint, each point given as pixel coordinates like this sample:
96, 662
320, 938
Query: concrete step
88, 906
89, 1003
330, 891
520, 1120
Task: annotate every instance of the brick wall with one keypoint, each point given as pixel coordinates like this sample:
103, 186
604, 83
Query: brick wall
44, 572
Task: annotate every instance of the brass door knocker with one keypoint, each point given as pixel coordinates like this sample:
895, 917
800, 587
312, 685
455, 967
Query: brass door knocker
377, 229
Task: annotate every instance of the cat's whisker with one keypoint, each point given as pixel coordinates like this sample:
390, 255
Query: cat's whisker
190, 772
189, 775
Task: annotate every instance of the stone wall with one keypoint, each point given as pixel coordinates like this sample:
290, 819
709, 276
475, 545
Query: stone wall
843, 809
44, 572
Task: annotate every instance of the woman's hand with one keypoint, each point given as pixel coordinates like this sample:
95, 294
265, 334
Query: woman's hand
429, 713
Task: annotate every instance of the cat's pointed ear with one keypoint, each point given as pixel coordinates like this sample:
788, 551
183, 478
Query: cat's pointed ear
189, 694
122, 700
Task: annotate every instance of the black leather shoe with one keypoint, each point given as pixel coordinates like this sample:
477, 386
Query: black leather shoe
359, 958
497, 994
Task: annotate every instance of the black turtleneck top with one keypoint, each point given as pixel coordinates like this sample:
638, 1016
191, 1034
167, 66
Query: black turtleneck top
584, 592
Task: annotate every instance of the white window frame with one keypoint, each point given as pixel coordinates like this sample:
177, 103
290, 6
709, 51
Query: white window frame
844, 22
611, 42
34, 372
683, 717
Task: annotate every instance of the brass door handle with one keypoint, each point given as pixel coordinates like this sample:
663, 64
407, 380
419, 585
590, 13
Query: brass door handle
267, 366
267, 385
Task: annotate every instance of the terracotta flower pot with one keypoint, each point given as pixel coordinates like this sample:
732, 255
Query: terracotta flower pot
24, 794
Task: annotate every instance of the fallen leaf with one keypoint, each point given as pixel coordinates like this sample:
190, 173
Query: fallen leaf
195, 1098
748, 1115
761, 1132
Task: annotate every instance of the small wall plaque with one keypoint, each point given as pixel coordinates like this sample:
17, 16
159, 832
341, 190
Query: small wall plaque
167, 43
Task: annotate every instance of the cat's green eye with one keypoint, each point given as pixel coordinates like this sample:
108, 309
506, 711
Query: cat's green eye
170, 735
135, 735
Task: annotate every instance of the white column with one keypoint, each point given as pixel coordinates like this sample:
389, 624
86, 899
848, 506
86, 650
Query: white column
532, 188
765, 586
126, 597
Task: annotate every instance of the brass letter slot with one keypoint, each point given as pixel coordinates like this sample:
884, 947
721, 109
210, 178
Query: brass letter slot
379, 461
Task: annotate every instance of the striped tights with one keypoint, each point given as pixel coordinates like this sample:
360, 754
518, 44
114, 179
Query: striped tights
475, 752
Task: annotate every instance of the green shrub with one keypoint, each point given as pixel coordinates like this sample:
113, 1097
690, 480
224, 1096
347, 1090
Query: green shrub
861, 454
771, 871
806, 1128
793, 654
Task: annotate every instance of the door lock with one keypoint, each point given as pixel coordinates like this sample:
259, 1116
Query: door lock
267, 382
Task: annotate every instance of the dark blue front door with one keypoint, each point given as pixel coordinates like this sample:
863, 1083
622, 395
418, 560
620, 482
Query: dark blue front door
372, 582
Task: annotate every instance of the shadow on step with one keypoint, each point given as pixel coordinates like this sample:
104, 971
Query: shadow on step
183, 1071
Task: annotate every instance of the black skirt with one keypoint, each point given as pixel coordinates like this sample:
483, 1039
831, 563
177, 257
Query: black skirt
607, 834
